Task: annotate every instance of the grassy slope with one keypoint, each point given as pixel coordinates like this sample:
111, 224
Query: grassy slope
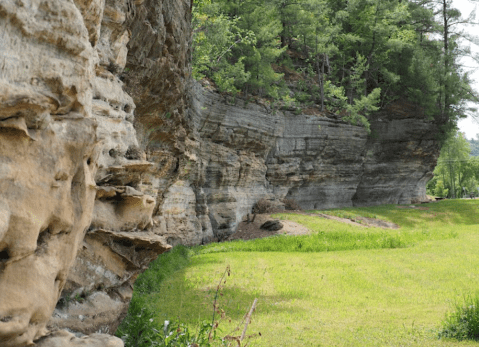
359, 297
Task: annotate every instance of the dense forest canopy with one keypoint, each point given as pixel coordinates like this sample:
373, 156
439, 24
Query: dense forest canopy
349, 56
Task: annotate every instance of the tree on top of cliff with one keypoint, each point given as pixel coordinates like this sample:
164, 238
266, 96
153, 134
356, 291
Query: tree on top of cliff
345, 56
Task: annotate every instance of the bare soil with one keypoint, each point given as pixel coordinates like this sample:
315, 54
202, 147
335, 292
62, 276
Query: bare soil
248, 231
360, 221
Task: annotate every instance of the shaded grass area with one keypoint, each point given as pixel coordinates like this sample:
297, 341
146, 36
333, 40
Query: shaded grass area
361, 296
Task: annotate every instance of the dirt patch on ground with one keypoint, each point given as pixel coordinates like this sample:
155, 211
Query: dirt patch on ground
337, 219
248, 231
360, 221
378, 223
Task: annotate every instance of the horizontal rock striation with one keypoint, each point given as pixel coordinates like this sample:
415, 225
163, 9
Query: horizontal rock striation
245, 151
401, 154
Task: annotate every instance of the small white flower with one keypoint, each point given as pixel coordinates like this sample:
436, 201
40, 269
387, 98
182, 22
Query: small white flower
151, 319
165, 327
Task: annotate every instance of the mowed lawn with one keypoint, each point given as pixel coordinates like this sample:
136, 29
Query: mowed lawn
377, 293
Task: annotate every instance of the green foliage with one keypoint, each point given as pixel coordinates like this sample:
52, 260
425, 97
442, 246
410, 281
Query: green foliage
363, 107
335, 95
215, 39
235, 45
142, 328
440, 190
164, 266
474, 143
463, 322
455, 169
352, 55
232, 78
320, 242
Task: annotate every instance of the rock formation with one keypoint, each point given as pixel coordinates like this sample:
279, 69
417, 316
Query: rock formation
248, 151
109, 154
66, 138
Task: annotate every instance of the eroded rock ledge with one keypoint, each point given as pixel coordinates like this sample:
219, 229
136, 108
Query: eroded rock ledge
71, 167
109, 155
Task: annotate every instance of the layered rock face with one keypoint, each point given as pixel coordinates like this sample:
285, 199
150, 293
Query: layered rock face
247, 151
109, 154
400, 156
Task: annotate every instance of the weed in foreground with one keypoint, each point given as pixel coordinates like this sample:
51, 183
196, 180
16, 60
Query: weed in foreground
142, 328
463, 322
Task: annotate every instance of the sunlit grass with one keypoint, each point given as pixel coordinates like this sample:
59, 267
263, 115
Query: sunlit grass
440, 221
440, 215
355, 297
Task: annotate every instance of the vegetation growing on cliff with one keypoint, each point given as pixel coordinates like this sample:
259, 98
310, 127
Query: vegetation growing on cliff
345, 56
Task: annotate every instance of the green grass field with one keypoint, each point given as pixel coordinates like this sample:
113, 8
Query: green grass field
342, 285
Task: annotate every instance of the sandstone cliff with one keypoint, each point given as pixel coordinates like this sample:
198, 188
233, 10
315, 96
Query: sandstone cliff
109, 154
72, 170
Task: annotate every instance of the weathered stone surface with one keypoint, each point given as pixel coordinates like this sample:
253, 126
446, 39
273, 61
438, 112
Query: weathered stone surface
400, 157
47, 158
120, 242
272, 225
66, 136
317, 161
65, 339
242, 152
47, 199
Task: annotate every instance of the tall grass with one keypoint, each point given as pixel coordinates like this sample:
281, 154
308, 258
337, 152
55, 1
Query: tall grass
317, 242
463, 321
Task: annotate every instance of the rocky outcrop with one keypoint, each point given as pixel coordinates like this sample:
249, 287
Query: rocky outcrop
109, 155
63, 338
71, 167
400, 157
244, 152
143, 65
48, 151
